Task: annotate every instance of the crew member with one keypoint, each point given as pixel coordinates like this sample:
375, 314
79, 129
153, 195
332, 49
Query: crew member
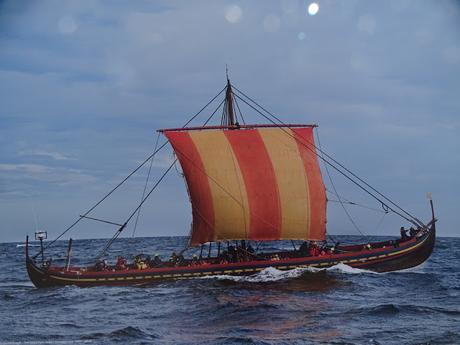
121, 263
303, 250
404, 236
156, 261
314, 249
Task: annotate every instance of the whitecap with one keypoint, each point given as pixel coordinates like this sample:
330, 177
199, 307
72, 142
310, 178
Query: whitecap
268, 274
271, 274
343, 268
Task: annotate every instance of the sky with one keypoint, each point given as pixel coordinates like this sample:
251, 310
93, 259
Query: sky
84, 85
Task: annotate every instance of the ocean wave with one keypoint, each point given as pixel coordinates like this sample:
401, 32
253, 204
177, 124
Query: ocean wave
45, 342
268, 274
17, 284
271, 274
7, 297
343, 268
122, 333
411, 309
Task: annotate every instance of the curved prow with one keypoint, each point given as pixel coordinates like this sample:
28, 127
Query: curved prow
27, 247
433, 218
36, 274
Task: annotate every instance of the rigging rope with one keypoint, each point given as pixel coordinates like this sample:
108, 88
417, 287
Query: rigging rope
356, 204
145, 186
350, 218
124, 180
379, 224
115, 236
412, 219
239, 110
135, 211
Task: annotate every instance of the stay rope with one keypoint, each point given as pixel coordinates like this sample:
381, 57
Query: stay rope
173, 164
332, 162
135, 211
146, 183
125, 179
350, 218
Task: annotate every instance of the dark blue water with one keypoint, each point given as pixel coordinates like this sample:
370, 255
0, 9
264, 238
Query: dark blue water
334, 306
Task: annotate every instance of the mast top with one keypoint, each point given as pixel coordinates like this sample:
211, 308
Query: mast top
228, 116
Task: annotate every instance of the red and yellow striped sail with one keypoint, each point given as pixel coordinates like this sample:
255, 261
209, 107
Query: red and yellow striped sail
254, 183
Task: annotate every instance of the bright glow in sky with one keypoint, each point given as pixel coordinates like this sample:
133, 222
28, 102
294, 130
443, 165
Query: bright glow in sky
313, 8
233, 14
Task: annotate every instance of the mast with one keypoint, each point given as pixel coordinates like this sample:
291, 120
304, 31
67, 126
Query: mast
228, 116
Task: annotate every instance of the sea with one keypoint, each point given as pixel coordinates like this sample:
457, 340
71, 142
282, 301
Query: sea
338, 305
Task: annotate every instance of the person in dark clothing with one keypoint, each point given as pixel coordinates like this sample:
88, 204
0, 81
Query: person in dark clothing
250, 251
233, 254
195, 260
156, 261
404, 236
304, 249
179, 260
224, 257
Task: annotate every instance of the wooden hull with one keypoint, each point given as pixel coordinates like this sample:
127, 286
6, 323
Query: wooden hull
383, 258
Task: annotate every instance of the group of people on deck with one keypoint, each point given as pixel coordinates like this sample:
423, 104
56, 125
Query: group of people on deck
122, 264
240, 252
412, 233
313, 249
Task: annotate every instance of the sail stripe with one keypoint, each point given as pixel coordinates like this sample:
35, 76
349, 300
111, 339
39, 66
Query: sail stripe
230, 201
305, 142
260, 182
291, 180
198, 186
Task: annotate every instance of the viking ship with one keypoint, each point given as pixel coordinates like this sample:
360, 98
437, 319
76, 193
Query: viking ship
248, 184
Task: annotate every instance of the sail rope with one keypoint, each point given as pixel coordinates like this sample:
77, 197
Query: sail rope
350, 218
280, 122
125, 179
135, 211
115, 236
145, 185
379, 224
352, 203
335, 165
239, 111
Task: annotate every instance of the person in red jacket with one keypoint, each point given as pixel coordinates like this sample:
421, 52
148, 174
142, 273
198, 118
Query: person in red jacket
314, 251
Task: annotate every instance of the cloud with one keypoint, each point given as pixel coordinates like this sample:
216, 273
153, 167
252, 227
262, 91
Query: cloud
42, 153
161, 160
92, 80
37, 172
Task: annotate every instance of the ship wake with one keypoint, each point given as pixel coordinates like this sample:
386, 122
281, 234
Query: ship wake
271, 274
